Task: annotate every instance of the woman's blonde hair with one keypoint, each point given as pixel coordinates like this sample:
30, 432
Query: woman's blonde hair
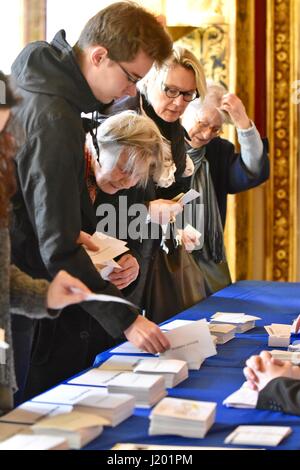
180, 56
140, 137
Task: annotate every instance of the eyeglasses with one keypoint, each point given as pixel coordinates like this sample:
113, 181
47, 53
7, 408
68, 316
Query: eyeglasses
216, 131
130, 78
174, 93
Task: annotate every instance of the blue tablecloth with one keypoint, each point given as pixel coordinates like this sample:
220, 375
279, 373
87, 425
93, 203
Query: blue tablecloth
222, 374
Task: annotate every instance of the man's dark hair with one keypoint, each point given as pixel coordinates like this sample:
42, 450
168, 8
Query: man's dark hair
125, 28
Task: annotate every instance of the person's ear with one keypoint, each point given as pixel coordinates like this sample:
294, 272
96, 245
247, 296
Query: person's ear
98, 55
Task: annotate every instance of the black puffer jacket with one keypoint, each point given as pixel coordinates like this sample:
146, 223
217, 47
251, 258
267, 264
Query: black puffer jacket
52, 203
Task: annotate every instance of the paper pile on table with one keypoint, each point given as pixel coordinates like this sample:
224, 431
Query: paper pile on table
244, 397
258, 435
77, 428
242, 321
279, 335
147, 389
33, 442
114, 407
223, 331
173, 370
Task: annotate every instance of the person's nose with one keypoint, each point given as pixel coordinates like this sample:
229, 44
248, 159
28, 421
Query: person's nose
207, 133
179, 101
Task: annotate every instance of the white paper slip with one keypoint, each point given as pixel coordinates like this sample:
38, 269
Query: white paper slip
189, 196
190, 342
127, 348
133, 446
33, 442
121, 363
175, 324
258, 435
244, 397
30, 412
109, 248
96, 377
106, 298
108, 268
65, 394
225, 317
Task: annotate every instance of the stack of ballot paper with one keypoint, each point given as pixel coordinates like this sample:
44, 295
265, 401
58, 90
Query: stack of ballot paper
33, 442
191, 343
114, 407
242, 321
279, 335
294, 357
121, 363
95, 376
66, 394
172, 370
186, 418
77, 428
147, 389
223, 331
8, 430
258, 435
244, 397
30, 412
109, 248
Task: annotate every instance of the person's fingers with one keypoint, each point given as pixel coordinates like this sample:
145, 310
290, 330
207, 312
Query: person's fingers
254, 362
249, 374
265, 356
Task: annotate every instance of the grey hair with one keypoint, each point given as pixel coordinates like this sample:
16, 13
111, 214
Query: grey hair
180, 56
212, 101
146, 147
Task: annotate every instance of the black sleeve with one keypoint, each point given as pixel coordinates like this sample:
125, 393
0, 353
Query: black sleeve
281, 394
50, 173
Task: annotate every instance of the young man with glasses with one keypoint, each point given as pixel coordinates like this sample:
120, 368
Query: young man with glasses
57, 83
219, 171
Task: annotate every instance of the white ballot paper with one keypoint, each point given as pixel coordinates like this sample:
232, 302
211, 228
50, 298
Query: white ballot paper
175, 324
66, 394
189, 196
127, 348
244, 397
30, 412
191, 343
99, 378
103, 298
258, 435
121, 363
32, 442
109, 248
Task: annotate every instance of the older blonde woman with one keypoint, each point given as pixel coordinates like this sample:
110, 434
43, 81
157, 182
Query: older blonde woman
130, 151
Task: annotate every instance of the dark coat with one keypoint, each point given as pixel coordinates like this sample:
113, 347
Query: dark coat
280, 394
51, 206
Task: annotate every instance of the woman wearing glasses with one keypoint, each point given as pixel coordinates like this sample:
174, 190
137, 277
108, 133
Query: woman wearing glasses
220, 171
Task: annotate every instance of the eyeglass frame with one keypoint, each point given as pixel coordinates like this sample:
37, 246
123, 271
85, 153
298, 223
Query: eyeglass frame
165, 88
130, 78
203, 125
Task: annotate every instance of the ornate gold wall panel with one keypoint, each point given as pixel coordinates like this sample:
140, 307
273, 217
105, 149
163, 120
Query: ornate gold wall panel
245, 89
282, 116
